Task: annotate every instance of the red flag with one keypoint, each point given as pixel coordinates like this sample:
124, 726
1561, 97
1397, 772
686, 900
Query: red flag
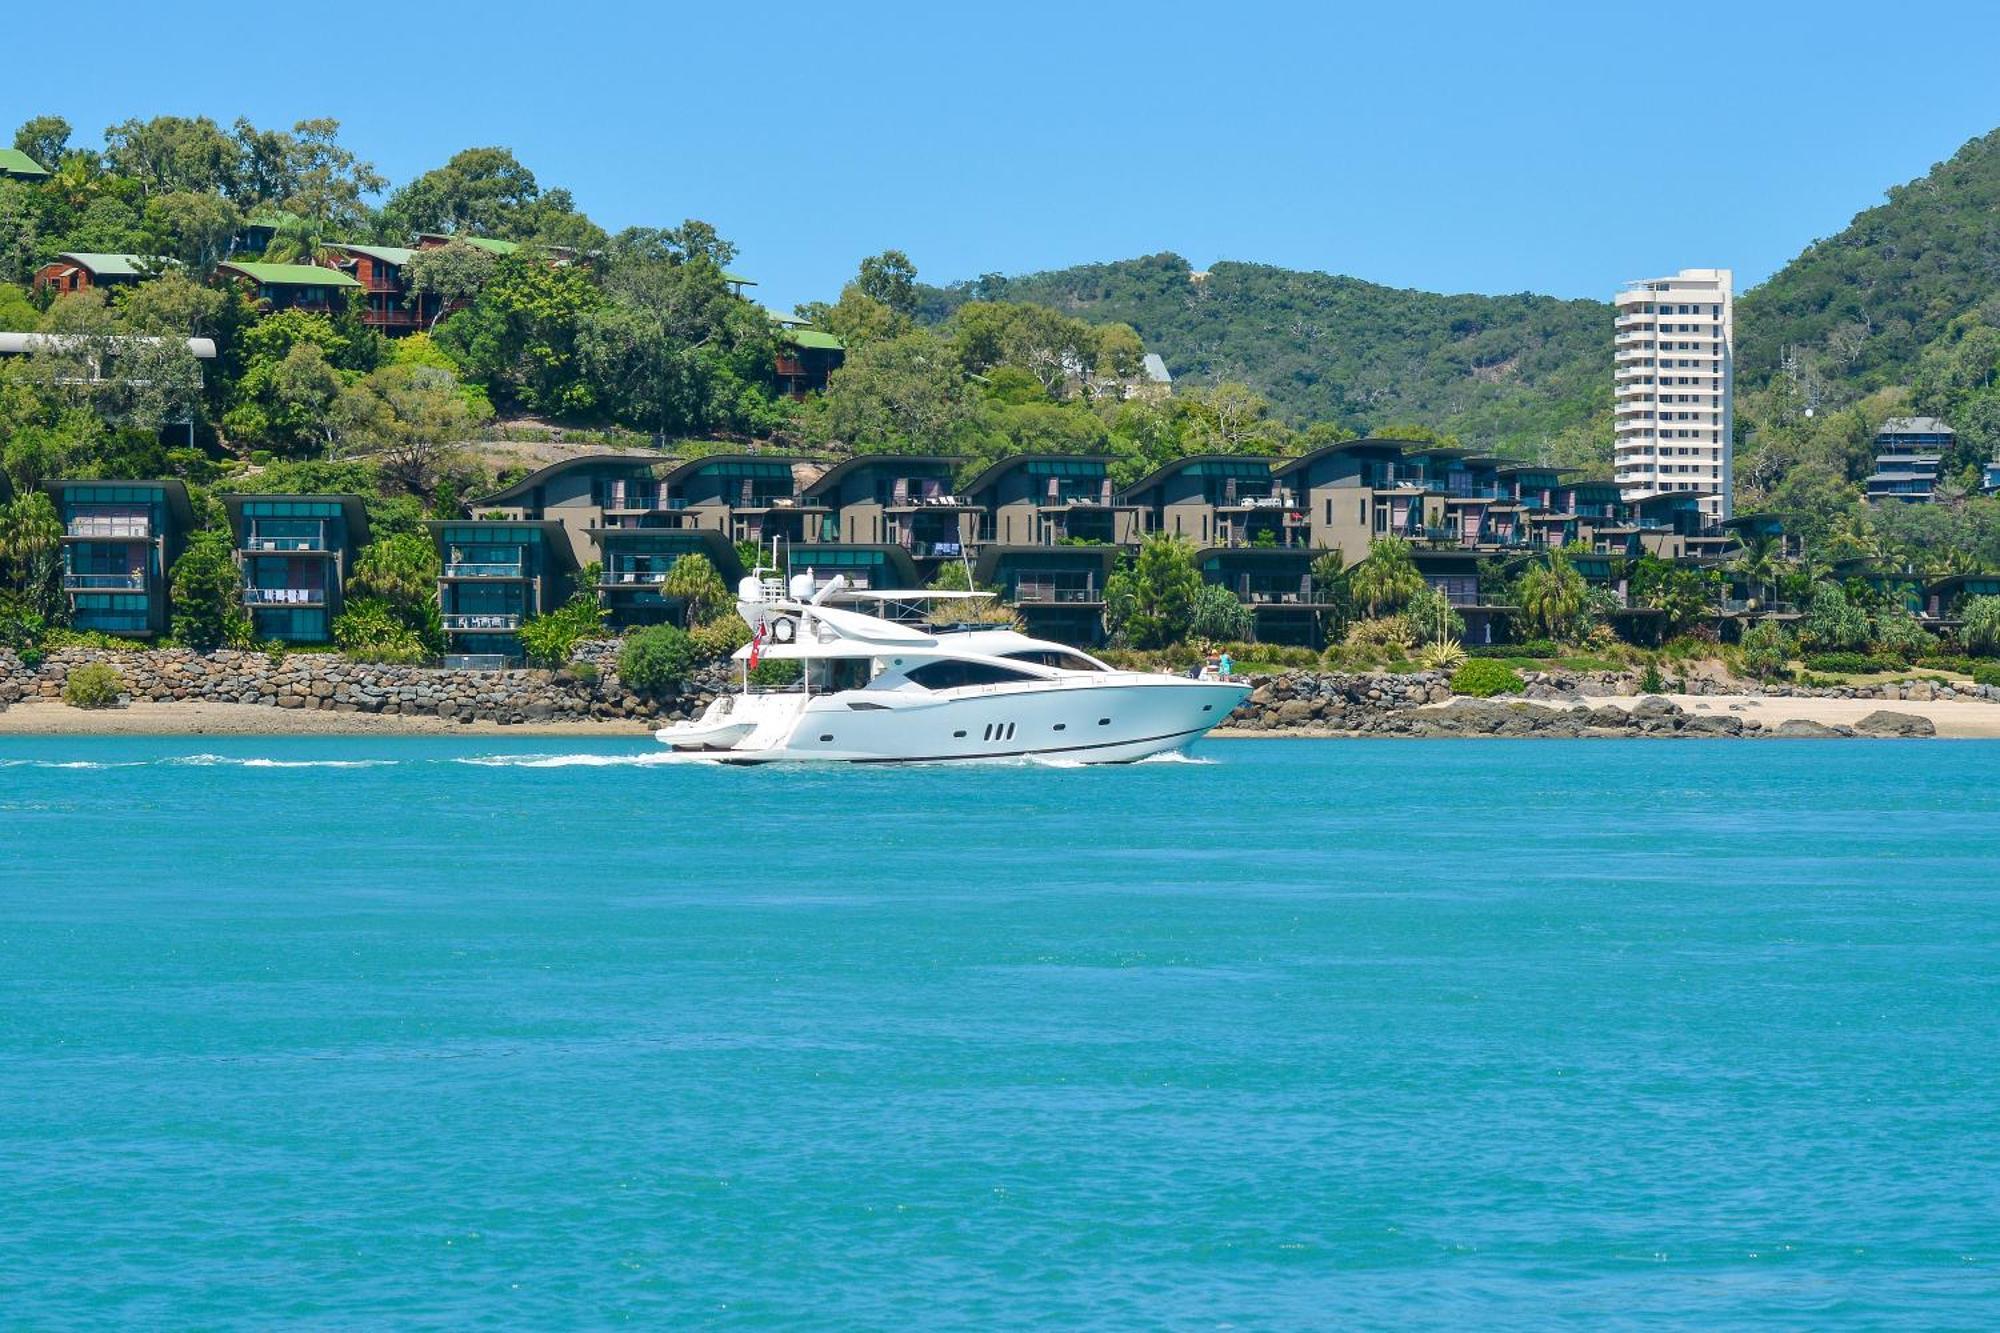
756, 645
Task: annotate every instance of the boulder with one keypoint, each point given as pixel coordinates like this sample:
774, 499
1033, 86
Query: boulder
1802, 727
1884, 722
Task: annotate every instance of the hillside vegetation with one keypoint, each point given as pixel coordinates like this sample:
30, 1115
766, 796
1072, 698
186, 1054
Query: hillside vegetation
1511, 372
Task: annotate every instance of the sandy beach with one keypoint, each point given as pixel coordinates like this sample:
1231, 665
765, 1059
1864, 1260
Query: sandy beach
45, 717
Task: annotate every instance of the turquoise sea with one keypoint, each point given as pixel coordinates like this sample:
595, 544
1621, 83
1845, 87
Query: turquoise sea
542, 1034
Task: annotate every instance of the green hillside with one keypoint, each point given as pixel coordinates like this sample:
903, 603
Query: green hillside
1508, 371
1864, 304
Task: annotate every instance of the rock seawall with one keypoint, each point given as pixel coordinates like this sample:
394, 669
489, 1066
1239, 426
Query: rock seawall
1553, 705
330, 682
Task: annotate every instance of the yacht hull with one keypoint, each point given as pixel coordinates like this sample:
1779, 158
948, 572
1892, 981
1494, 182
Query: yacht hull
1124, 717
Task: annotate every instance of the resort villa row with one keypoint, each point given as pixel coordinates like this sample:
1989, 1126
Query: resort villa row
1044, 530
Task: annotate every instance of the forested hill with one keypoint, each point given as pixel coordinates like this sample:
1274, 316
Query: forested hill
1508, 371
1863, 304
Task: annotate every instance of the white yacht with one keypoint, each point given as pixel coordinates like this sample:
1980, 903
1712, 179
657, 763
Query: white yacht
871, 689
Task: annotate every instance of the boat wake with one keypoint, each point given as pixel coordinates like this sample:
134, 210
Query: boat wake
232, 761
583, 760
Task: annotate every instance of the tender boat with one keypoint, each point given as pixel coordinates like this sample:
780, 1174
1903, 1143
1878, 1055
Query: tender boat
873, 690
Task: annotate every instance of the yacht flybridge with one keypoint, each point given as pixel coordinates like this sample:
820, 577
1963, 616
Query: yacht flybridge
872, 689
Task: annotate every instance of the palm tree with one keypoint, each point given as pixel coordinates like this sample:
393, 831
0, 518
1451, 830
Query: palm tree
1387, 578
1757, 564
1552, 596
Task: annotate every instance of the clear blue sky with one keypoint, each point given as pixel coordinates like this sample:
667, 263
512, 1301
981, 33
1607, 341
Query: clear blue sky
1453, 147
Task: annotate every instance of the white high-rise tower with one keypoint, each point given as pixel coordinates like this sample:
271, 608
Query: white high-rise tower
1674, 377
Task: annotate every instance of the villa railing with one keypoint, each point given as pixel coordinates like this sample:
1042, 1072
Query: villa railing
109, 527
285, 544
494, 569
459, 623
284, 596
623, 578
924, 550
104, 582
1026, 591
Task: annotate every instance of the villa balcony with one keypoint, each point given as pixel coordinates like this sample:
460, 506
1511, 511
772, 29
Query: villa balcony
487, 569
104, 582
91, 527
481, 623
293, 545
632, 578
284, 597
1043, 592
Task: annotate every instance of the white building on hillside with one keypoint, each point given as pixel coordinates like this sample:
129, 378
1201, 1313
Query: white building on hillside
1674, 378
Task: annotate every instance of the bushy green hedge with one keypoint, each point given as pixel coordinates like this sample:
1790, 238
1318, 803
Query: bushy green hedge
1529, 648
656, 658
93, 685
1853, 664
1482, 679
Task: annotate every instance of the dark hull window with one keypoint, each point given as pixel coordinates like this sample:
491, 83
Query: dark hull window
949, 675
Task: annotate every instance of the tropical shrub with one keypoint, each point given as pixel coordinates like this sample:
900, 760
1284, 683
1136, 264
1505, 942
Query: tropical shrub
720, 637
1441, 655
1149, 601
775, 672
93, 685
1380, 632
1766, 651
1430, 616
1897, 634
549, 640
369, 630
1218, 615
1525, 648
657, 658
1979, 628
208, 594
401, 572
1832, 623
1483, 678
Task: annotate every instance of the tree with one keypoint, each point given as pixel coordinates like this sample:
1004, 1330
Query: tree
694, 583
454, 274
172, 305
1552, 597
1757, 563
520, 336
891, 279
170, 154
193, 228
478, 192
43, 138
904, 395
30, 552
1767, 649
208, 594
327, 181
1387, 579
1150, 601
550, 640
400, 572
1682, 595
411, 419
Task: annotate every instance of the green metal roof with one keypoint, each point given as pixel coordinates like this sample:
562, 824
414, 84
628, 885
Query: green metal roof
293, 275
491, 246
14, 162
813, 338
388, 254
738, 279
116, 266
